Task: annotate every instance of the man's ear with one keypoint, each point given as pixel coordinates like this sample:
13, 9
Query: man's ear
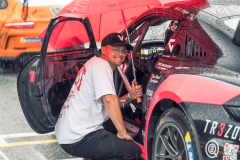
103, 50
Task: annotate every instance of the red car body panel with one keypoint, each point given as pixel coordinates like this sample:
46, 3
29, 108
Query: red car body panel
188, 88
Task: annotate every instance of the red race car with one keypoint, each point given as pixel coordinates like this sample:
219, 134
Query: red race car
187, 59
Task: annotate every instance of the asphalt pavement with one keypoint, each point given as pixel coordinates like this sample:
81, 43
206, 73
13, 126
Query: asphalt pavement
17, 140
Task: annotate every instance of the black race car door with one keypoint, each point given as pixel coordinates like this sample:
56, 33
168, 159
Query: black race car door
45, 80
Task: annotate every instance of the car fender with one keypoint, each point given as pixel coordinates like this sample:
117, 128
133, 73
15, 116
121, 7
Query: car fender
191, 88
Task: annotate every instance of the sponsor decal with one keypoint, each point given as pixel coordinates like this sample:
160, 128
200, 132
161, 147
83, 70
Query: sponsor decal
212, 149
153, 81
161, 121
149, 99
146, 112
30, 40
155, 49
60, 115
188, 142
143, 134
155, 76
163, 65
223, 131
161, 68
32, 76
78, 80
230, 151
171, 46
55, 10
166, 56
180, 67
120, 37
182, 10
149, 93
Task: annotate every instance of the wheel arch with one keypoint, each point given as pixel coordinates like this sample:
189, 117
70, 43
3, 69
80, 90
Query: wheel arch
156, 114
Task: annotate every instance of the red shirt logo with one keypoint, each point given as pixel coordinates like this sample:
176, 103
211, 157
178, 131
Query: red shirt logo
78, 80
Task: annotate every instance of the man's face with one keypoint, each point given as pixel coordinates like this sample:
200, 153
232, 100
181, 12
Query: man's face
115, 55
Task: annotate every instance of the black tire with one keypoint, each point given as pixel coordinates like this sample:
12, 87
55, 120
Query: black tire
173, 138
4, 64
10, 66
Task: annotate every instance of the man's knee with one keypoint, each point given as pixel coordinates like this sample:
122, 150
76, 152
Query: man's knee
135, 153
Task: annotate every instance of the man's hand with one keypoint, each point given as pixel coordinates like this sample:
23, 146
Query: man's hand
125, 136
135, 93
112, 106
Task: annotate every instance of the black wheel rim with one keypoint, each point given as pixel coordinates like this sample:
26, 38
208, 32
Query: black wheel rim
170, 144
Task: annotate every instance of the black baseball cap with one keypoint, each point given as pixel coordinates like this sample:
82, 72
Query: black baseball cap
116, 39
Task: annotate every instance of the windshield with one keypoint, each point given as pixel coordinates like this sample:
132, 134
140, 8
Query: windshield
156, 32
32, 3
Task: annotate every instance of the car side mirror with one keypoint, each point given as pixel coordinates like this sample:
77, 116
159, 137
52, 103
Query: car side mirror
236, 38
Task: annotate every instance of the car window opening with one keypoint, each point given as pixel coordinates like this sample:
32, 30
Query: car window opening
196, 49
193, 44
204, 53
189, 46
185, 45
149, 40
200, 54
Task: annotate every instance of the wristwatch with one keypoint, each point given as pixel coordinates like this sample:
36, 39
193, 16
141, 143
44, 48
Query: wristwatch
128, 98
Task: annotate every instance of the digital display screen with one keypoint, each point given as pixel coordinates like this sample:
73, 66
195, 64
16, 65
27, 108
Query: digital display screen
147, 51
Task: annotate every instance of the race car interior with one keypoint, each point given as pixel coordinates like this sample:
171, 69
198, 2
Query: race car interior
62, 66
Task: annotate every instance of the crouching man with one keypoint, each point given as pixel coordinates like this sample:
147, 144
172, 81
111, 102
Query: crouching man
91, 101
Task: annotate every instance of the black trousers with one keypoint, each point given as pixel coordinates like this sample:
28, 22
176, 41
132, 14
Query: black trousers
103, 145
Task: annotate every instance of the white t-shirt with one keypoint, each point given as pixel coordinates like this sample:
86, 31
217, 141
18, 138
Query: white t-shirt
83, 111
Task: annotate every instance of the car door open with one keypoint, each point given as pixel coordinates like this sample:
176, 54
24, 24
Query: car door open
45, 81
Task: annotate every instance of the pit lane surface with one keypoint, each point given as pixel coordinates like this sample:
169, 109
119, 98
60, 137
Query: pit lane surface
17, 140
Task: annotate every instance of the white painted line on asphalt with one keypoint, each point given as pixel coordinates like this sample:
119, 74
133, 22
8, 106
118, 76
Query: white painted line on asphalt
16, 135
2, 141
29, 134
3, 155
73, 159
40, 155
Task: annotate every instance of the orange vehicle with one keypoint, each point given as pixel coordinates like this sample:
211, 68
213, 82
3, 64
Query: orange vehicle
20, 24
